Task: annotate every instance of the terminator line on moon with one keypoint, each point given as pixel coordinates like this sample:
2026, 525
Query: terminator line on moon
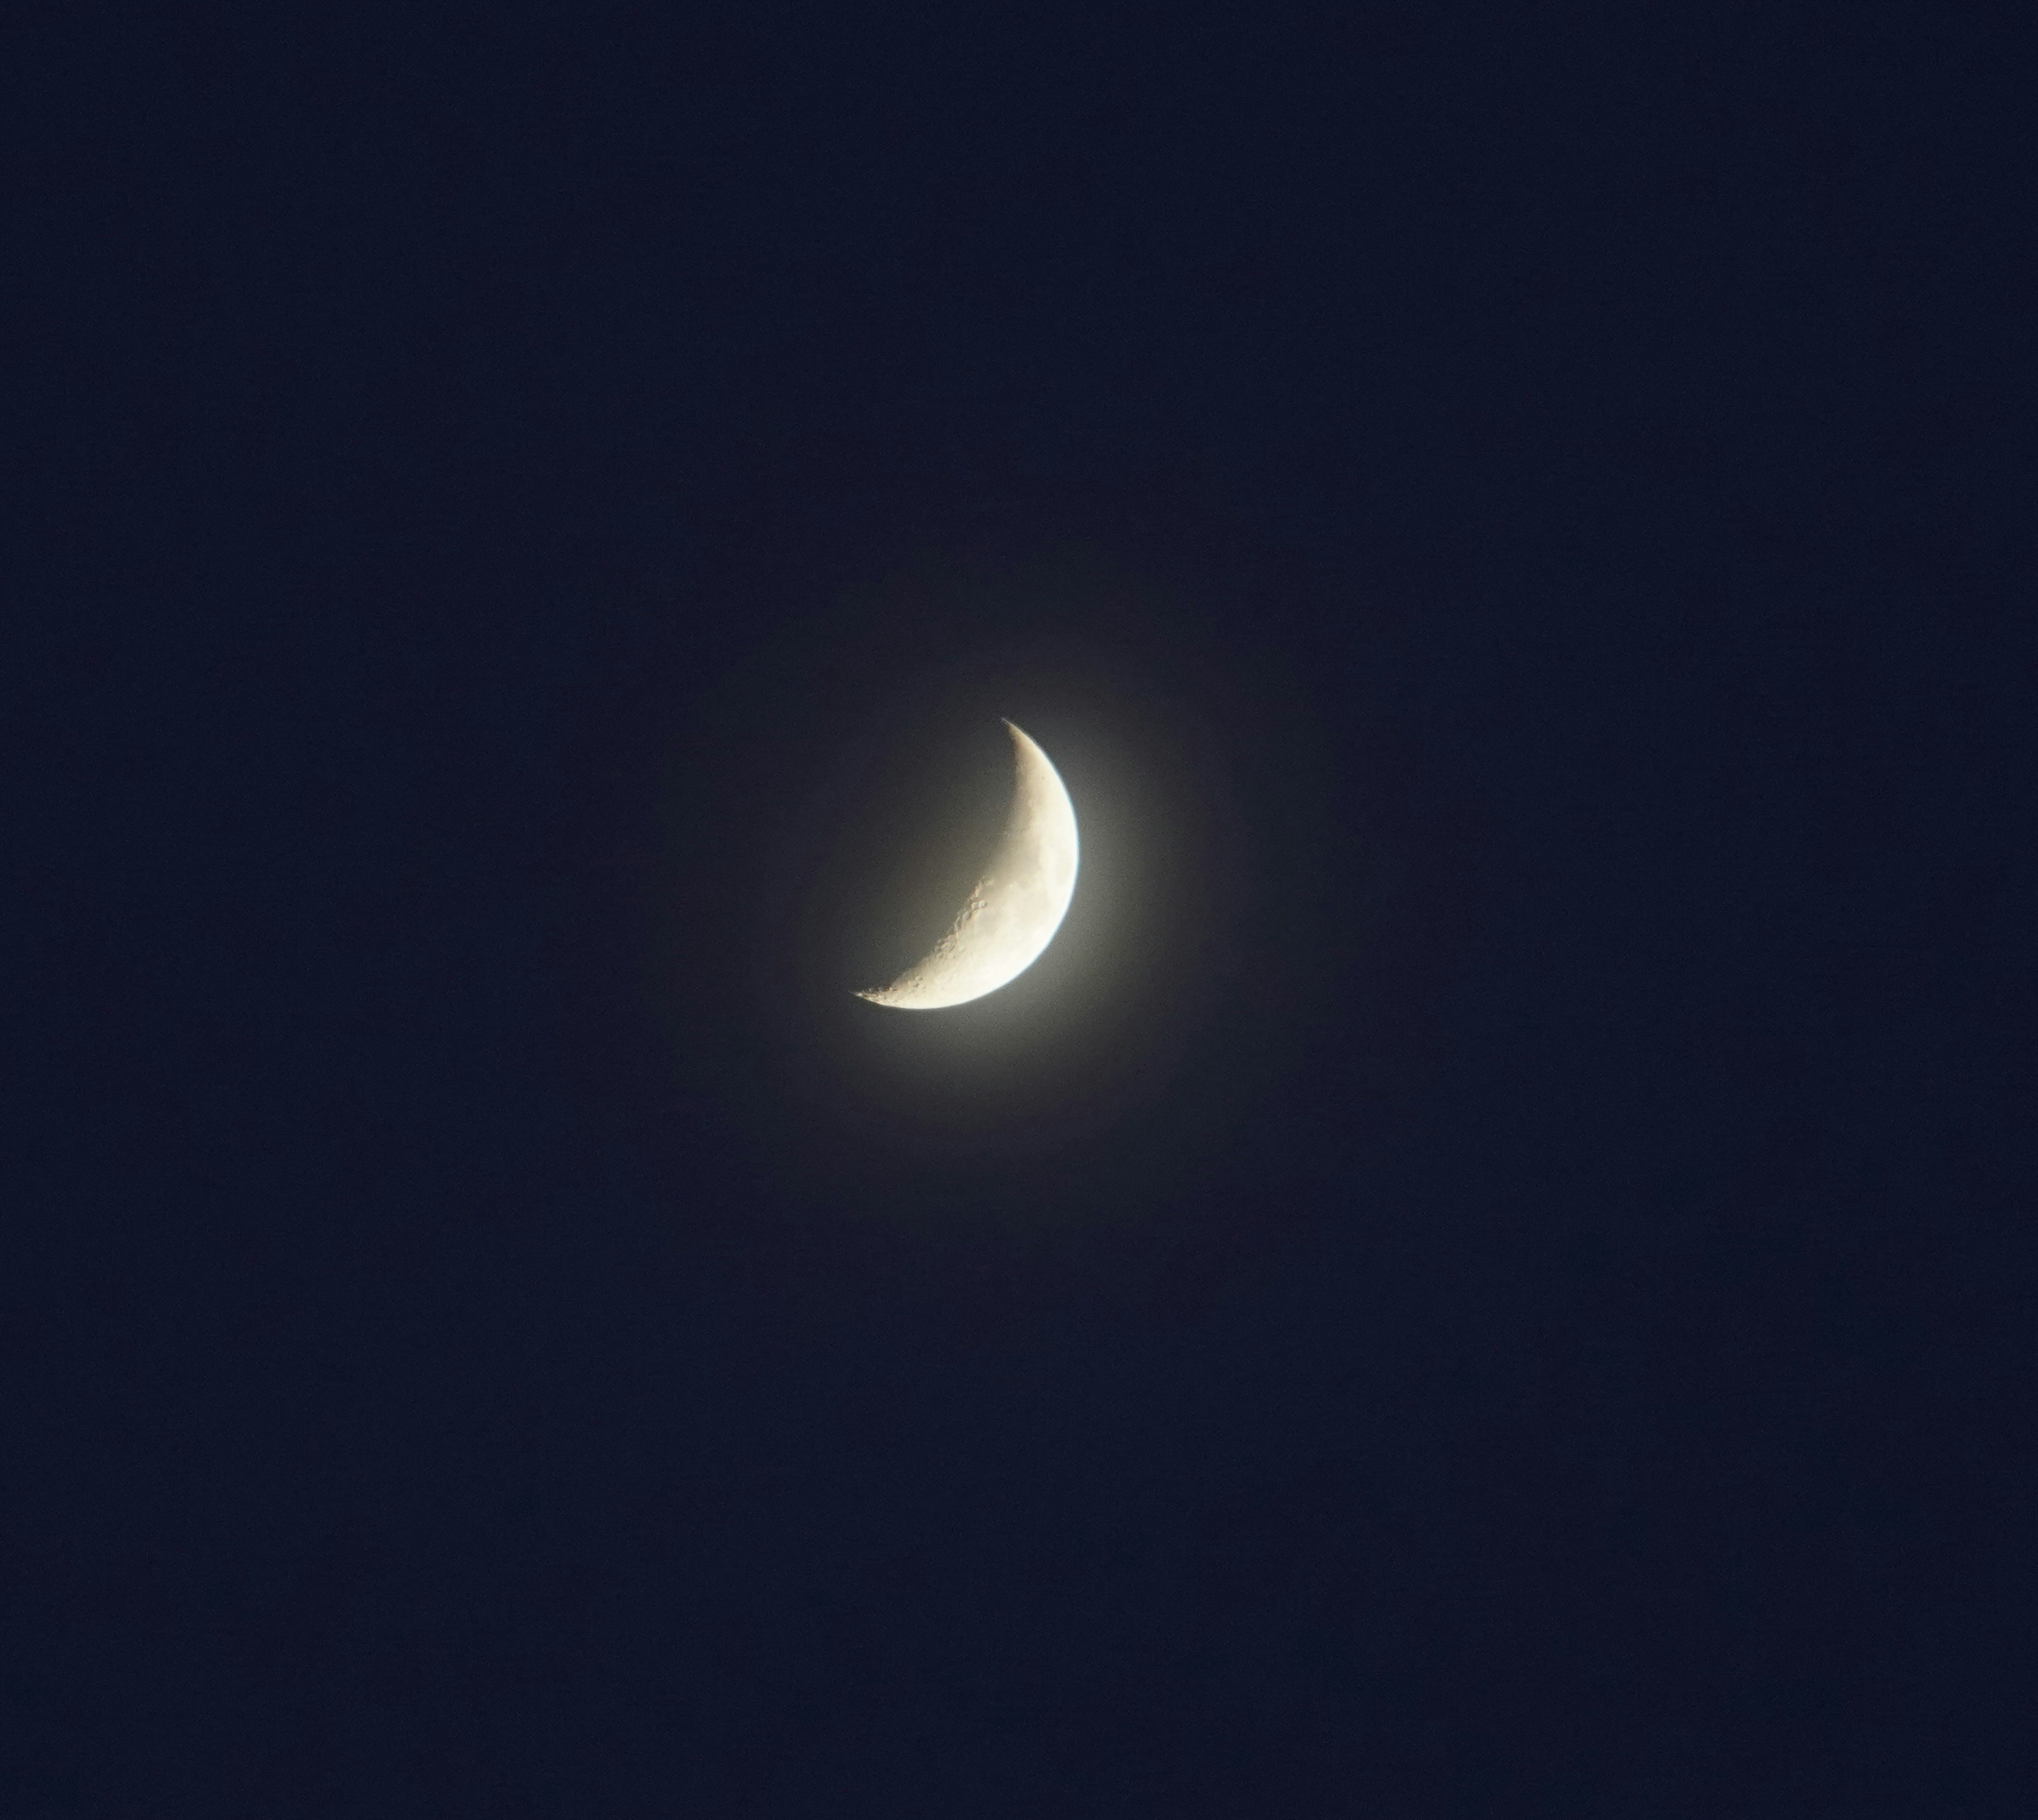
1016, 906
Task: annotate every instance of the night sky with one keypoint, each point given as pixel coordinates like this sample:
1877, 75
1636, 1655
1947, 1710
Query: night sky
1488, 1270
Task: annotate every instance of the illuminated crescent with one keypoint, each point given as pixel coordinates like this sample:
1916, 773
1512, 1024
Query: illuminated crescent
1016, 906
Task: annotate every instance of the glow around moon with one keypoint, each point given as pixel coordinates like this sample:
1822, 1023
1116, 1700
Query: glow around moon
1016, 906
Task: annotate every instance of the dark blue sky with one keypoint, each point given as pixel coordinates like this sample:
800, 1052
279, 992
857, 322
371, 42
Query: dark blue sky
1487, 1271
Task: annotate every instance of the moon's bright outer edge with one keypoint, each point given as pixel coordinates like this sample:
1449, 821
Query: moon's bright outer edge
1016, 906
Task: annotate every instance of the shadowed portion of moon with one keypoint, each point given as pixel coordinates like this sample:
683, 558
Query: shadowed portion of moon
1014, 909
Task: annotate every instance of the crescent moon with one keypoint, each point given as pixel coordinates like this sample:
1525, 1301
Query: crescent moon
1016, 906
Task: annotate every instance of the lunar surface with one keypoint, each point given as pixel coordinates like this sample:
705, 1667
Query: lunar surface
1016, 906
